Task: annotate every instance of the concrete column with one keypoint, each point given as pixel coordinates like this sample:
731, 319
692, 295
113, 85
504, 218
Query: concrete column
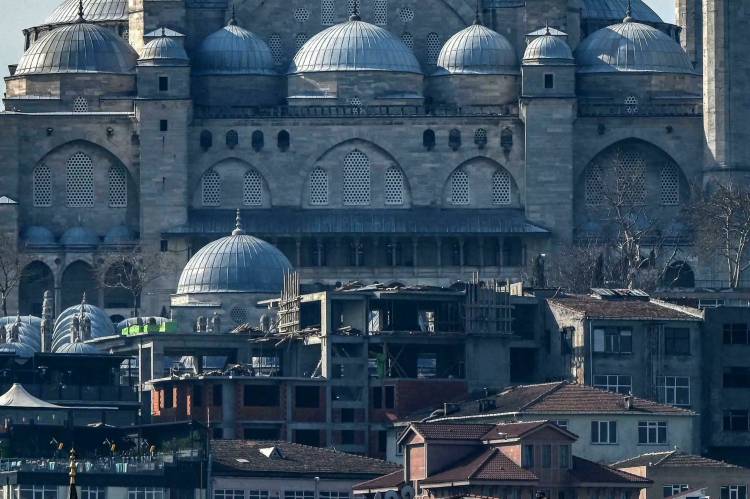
500, 251
393, 252
439, 244
319, 246
229, 410
461, 260
357, 250
415, 253
481, 251
298, 248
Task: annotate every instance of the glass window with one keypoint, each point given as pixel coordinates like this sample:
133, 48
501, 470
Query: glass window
736, 420
613, 340
42, 186
277, 49
36, 492
674, 390
736, 377
145, 493
734, 492
652, 432
593, 186
549, 81
630, 169
93, 493
408, 40
546, 456
604, 432
229, 494
736, 334
257, 494
299, 494
564, 456
380, 12
676, 341
528, 456
80, 105
562, 423
671, 490
614, 383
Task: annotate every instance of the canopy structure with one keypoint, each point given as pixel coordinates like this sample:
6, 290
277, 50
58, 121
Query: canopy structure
17, 397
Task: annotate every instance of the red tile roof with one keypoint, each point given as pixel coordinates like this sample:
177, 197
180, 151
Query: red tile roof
597, 308
488, 465
452, 431
391, 481
585, 471
514, 430
673, 459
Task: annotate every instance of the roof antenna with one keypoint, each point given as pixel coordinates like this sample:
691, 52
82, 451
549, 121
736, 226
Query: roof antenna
238, 225
629, 12
476, 14
233, 19
80, 12
355, 12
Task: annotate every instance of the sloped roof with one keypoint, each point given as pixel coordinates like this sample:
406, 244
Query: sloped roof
391, 481
673, 459
585, 471
245, 457
622, 309
488, 465
452, 431
17, 397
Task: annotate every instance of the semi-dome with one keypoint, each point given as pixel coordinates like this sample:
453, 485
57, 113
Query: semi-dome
78, 48
79, 237
354, 46
95, 10
477, 50
631, 47
236, 263
164, 50
119, 234
614, 9
36, 235
234, 50
101, 324
548, 49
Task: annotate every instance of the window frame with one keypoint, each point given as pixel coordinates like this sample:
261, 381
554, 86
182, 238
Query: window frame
669, 387
614, 383
674, 337
611, 427
658, 429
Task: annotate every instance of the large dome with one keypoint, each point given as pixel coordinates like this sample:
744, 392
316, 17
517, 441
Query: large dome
354, 46
235, 264
477, 50
631, 47
615, 9
94, 11
234, 50
78, 48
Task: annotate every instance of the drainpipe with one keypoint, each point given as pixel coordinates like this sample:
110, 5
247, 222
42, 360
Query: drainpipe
591, 353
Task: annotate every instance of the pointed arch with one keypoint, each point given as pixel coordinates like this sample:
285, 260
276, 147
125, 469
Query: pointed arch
78, 278
36, 278
481, 182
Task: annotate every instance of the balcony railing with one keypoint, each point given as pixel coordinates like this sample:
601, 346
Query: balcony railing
672, 109
123, 465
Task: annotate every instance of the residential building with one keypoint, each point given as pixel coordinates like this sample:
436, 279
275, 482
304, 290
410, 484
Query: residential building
679, 474
524, 460
611, 426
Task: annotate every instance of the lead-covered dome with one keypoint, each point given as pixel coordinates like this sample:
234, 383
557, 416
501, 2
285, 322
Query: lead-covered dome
101, 324
96, 11
548, 49
164, 50
78, 48
354, 46
233, 50
631, 47
235, 264
477, 50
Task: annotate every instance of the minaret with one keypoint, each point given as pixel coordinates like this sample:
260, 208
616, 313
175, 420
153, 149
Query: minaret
47, 322
690, 19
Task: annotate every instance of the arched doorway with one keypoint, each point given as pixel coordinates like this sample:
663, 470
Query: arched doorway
77, 279
36, 278
679, 275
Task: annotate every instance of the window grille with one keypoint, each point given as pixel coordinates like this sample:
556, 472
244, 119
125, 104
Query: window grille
406, 15
239, 315
319, 187
252, 189
356, 179
631, 177
480, 137
433, 48
394, 186
460, 194
670, 185
408, 40
327, 12
80, 105
355, 5
211, 188
299, 40
80, 181
118, 187
277, 52
380, 12
501, 188
42, 186
301, 15
125, 34
631, 104
354, 101
593, 186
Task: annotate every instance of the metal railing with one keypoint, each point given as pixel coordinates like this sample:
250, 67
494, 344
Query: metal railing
109, 465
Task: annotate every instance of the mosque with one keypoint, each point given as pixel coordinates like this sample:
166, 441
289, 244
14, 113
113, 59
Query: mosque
416, 141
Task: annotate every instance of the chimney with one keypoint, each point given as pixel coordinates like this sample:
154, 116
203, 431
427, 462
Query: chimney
628, 402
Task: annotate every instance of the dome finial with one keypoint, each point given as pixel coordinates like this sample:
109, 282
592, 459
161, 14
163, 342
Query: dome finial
238, 225
476, 14
629, 12
355, 12
546, 28
80, 12
233, 19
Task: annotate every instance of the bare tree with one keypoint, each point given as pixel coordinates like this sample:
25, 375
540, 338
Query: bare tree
721, 219
131, 270
12, 264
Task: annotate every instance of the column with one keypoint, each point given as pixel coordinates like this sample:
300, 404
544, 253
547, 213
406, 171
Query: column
298, 244
319, 246
415, 253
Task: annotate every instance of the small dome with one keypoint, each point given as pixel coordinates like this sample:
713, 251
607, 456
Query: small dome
78, 48
94, 11
78, 348
477, 50
80, 237
38, 236
614, 10
234, 50
29, 330
163, 50
354, 46
119, 234
548, 49
631, 47
235, 264
101, 325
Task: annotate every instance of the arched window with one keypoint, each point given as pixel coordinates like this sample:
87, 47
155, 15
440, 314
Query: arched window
233, 139
211, 188
394, 186
355, 5
480, 137
454, 139
319, 187
206, 140
42, 186
277, 51
428, 139
593, 186
283, 140
460, 191
252, 189
79, 181
299, 40
501, 193
327, 12
356, 179
433, 48
380, 12
630, 168
80, 105
670, 185
257, 140
118, 187
506, 140
408, 40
